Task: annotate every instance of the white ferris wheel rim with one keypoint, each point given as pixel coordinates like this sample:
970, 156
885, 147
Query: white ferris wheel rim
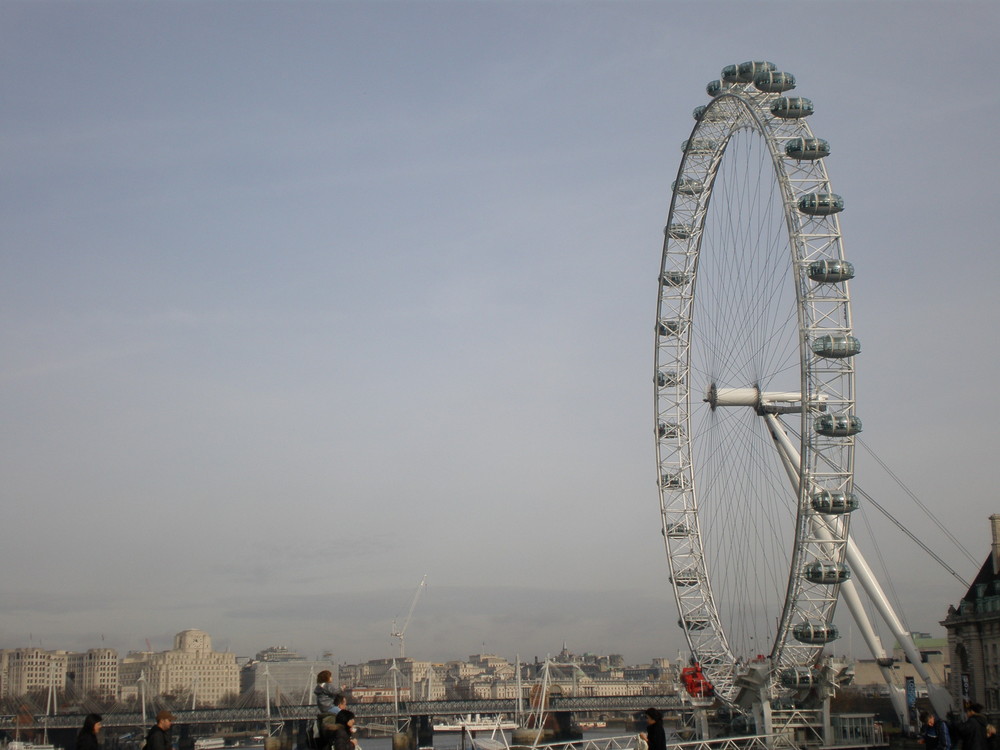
815, 344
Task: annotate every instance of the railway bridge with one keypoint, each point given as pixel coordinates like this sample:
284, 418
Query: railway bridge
261, 715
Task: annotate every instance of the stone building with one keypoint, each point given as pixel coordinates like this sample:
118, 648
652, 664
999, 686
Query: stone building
24, 671
190, 668
974, 635
868, 678
31, 670
94, 673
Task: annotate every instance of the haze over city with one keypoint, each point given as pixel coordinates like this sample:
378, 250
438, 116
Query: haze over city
303, 301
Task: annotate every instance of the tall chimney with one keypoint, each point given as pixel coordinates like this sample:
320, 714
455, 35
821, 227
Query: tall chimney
995, 524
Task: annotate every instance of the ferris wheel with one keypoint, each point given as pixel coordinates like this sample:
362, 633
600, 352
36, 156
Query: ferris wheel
754, 385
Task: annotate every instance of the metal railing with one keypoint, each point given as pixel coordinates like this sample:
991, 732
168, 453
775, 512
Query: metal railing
631, 742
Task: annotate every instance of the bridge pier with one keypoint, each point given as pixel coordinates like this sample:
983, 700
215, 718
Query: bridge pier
425, 730
565, 730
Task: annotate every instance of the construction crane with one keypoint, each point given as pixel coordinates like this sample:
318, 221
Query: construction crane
401, 632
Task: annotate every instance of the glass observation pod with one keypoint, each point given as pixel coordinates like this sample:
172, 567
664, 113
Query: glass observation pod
834, 503
684, 579
821, 204
714, 88
693, 623
669, 327
668, 430
815, 633
831, 271
699, 145
798, 677
678, 231
838, 346
746, 71
677, 529
668, 379
687, 186
714, 115
835, 425
794, 677
807, 149
826, 572
672, 481
773, 81
674, 278
791, 107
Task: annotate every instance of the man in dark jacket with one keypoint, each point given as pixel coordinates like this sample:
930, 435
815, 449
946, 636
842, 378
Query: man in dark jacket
159, 737
973, 729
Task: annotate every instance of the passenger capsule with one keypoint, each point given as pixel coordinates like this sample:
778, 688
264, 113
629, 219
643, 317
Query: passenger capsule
684, 579
836, 346
672, 481
699, 145
746, 72
702, 112
833, 425
831, 271
807, 149
821, 204
730, 73
674, 278
826, 572
714, 88
791, 107
676, 530
773, 81
669, 326
834, 503
687, 186
668, 379
678, 231
668, 430
694, 623
815, 633
798, 677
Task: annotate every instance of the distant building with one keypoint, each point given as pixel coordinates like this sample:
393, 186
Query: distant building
284, 676
94, 672
34, 670
974, 634
31, 670
933, 655
378, 679
190, 668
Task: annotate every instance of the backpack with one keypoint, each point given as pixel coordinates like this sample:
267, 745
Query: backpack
944, 734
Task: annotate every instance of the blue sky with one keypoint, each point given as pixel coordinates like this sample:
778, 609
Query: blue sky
301, 301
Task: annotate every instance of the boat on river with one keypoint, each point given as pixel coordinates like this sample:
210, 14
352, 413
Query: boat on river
475, 723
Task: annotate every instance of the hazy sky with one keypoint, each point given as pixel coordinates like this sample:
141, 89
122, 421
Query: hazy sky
300, 301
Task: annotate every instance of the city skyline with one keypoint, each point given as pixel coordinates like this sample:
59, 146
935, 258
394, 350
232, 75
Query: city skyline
302, 301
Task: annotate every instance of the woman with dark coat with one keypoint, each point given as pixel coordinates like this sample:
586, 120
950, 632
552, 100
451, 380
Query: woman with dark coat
87, 738
343, 735
655, 735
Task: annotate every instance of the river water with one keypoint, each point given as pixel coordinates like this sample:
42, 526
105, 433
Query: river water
453, 740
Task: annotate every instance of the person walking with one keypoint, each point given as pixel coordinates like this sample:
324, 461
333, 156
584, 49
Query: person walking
87, 738
973, 729
158, 737
654, 736
934, 733
343, 735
